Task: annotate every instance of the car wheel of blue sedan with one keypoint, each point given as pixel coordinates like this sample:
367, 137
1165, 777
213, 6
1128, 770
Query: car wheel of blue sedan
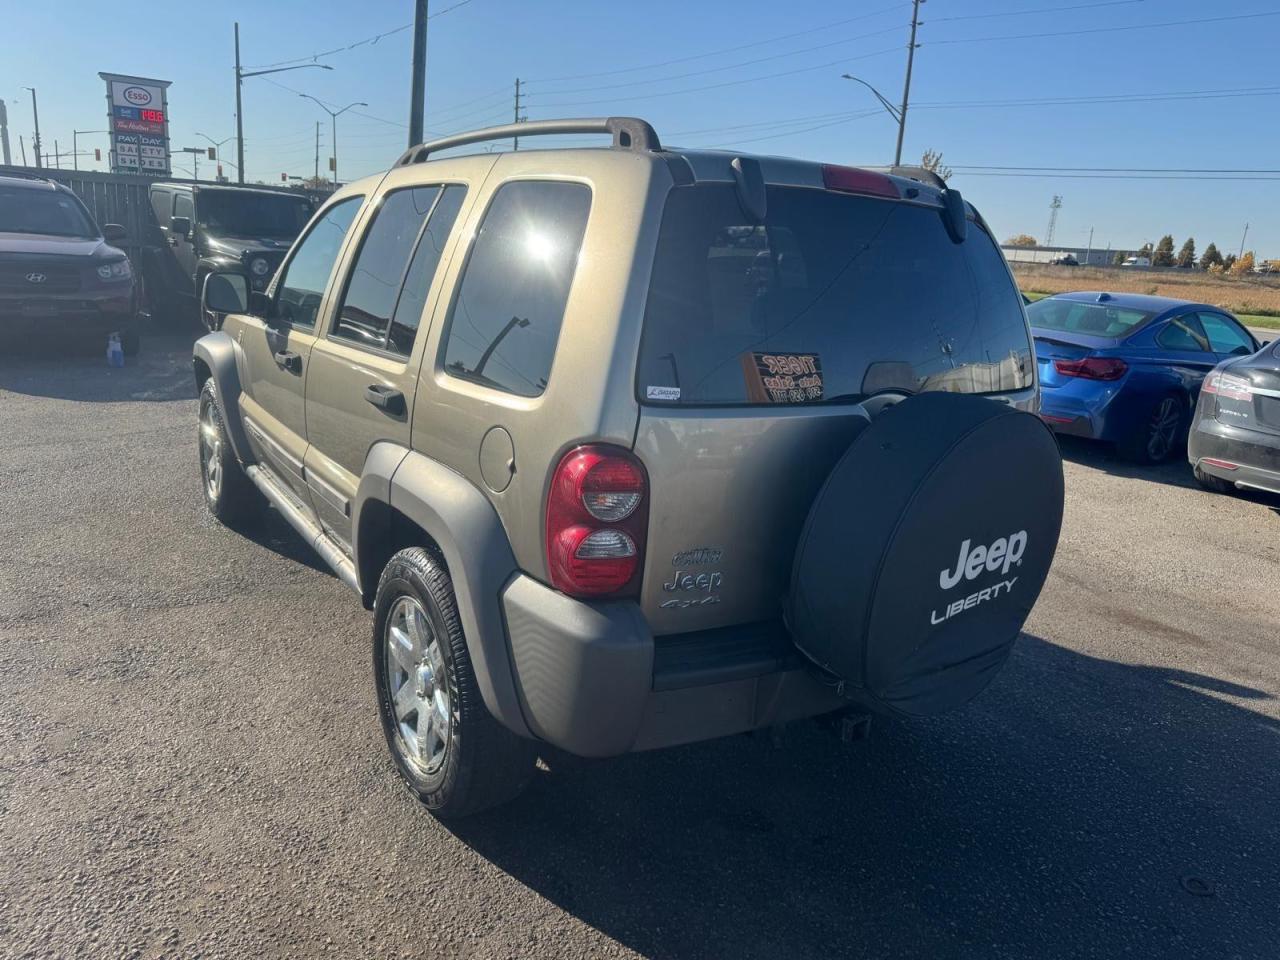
1160, 435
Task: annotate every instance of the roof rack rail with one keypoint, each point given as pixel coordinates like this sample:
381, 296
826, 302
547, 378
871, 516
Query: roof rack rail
24, 175
629, 133
919, 174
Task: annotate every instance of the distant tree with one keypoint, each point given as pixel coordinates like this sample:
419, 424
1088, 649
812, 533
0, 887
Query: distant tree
1119, 259
932, 160
1244, 266
1145, 251
1211, 257
1021, 240
1228, 262
1187, 255
1164, 252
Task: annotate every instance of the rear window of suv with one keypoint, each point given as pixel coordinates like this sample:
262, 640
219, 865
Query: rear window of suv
832, 297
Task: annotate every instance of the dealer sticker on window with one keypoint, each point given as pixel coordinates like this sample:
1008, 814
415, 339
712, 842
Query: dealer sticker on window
782, 377
661, 393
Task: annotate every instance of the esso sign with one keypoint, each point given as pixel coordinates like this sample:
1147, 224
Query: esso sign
138, 96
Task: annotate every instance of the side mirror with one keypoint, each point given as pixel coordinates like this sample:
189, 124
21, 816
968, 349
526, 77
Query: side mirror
114, 233
225, 293
180, 226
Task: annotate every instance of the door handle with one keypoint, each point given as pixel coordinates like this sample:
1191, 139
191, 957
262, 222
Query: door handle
385, 398
288, 360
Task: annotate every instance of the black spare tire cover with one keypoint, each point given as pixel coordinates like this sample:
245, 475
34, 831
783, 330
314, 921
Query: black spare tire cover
926, 549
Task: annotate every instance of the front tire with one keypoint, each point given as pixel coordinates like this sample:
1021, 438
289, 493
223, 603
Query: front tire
450, 752
1160, 434
228, 493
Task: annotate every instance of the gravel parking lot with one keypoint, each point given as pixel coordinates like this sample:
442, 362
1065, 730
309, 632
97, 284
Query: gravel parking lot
192, 764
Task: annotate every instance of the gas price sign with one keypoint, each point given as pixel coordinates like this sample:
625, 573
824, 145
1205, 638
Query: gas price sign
138, 115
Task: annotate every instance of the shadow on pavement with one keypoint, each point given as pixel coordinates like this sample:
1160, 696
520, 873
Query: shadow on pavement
1079, 808
161, 371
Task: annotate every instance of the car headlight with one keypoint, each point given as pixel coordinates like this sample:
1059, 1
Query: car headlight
259, 266
115, 270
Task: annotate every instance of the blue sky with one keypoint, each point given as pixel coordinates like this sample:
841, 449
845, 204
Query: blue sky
765, 76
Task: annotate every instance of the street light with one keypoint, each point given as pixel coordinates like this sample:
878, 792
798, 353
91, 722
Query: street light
333, 115
217, 150
893, 111
35, 113
75, 149
240, 75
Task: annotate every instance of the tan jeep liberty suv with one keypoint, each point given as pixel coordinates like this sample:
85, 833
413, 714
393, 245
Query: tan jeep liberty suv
633, 446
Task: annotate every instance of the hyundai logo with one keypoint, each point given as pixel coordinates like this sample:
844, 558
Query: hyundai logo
35, 278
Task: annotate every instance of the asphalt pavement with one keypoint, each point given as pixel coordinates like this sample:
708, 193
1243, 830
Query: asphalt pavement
192, 764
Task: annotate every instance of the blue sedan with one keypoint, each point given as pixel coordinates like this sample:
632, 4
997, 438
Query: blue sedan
1127, 368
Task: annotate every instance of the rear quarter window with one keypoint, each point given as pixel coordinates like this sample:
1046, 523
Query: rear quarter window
833, 296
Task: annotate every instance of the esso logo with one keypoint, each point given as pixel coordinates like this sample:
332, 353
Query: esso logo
137, 96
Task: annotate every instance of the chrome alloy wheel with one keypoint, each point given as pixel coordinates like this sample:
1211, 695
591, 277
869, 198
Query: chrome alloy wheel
1164, 428
211, 452
418, 685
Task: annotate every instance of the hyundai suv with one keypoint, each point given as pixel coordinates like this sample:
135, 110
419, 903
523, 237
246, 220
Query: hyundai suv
60, 275
637, 446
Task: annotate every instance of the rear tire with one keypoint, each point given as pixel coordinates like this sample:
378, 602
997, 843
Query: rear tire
228, 493
1211, 483
1162, 431
451, 753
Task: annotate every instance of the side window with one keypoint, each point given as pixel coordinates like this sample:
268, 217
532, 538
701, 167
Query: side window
506, 319
388, 285
301, 284
1225, 335
183, 207
1184, 333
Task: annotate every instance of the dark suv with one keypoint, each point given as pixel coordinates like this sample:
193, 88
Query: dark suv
59, 272
225, 228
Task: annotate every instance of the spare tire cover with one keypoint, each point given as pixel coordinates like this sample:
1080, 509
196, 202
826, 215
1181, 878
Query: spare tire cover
926, 549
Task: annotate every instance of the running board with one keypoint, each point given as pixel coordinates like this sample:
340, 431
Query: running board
316, 538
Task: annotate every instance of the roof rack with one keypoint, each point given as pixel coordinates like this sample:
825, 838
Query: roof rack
919, 174
629, 133
25, 175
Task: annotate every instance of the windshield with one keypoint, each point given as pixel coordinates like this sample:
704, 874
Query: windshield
48, 212
240, 213
834, 296
1092, 319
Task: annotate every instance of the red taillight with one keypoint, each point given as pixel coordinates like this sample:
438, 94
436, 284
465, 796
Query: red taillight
1092, 368
853, 180
1225, 385
597, 516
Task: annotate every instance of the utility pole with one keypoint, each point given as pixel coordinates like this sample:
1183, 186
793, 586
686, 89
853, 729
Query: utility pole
317, 174
1242, 239
22, 145
240, 76
906, 89
515, 141
196, 153
1054, 206
333, 115
35, 114
1089, 249
239, 114
418, 92
4, 135
57, 156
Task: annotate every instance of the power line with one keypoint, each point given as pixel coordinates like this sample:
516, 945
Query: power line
1025, 13
727, 83
1220, 94
730, 66
1093, 30
311, 58
722, 50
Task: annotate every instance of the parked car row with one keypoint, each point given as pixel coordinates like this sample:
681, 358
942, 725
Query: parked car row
1154, 376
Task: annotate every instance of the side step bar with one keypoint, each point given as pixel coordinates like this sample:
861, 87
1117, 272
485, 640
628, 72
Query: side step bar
316, 538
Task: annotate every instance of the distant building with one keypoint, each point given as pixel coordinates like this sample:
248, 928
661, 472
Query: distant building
1096, 257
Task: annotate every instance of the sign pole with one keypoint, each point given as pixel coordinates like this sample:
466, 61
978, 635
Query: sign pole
239, 116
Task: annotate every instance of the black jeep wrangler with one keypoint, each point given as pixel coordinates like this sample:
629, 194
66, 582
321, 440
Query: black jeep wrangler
205, 228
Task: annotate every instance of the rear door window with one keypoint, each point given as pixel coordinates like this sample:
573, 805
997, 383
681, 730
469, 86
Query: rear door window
832, 297
505, 321
1184, 333
387, 287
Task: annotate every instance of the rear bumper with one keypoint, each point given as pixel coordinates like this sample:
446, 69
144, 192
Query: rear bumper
1257, 464
594, 681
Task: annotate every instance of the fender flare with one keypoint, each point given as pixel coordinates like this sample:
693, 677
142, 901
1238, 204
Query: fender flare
474, 545
217, 351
